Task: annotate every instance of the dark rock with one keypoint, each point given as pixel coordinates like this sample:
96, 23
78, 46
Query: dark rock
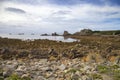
4, 51
75, 54
38, 54
23, 54
109, 49
117, 61
66, 33
55, 34
20, 33
7, 73
75, 77
44, 34
52, 52
1, 73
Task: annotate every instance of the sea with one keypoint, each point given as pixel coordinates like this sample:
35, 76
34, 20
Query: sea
36, 36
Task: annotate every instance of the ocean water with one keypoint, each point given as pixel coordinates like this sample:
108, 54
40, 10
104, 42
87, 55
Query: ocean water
33, 37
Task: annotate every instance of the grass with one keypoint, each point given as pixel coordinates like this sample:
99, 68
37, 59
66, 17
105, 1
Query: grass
112, 71
72, 71
96, 76
103, 69
16, 77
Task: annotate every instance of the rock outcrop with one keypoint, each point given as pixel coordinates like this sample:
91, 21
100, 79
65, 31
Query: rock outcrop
66, 33
84, 32
55, 34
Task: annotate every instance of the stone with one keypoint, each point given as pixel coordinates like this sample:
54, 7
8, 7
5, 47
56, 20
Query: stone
40, 78
7, 73
25, 76
21, 69
117, 60
47, 69
62, 67
75, 77
85, 77
4, 50
52, 78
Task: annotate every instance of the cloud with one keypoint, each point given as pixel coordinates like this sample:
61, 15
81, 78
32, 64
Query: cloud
15, 10
49, 17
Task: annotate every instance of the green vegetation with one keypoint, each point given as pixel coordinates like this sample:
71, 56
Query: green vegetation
1, 78
112, 71
112, 32
103, 69
96, 76
72, 71
16, 77
116, 75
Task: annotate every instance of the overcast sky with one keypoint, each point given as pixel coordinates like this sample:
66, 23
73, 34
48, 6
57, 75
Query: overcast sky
47, 16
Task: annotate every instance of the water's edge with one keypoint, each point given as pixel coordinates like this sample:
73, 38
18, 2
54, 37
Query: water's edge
33, 37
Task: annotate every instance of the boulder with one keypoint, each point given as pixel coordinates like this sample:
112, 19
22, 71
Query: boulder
66, 33
62, 67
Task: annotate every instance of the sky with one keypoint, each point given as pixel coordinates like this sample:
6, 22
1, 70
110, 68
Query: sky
48, 16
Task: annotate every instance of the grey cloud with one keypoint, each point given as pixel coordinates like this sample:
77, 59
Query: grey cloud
62, 12
15, 10
105, 13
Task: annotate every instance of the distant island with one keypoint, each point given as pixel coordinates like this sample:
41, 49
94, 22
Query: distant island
85, 32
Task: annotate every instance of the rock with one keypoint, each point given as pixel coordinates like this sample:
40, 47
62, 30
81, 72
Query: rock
62, 67
40, 78
25, 76
52, 78
48, 74
23, 54
47, 69
87, 68
75, 77
43, 61
7, 73
66, 33
117, 60
4, 50
11, 65
5, 53
1, 73
109, 49
84, 32
21, 69
53, 52
44, 34
55, 34
85, 77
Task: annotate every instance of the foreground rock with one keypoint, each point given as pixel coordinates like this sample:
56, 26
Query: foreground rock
64, 69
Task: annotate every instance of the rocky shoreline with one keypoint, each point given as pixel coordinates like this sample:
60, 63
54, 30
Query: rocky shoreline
65, 69
93, 58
